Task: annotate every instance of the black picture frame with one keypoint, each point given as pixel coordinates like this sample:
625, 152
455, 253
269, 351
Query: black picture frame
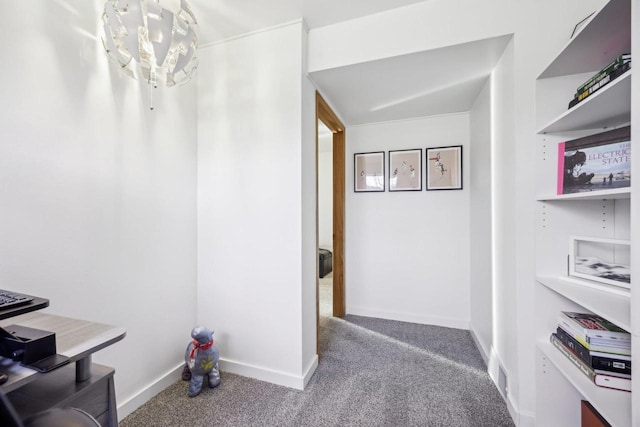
368, 172
405, 170
444, 168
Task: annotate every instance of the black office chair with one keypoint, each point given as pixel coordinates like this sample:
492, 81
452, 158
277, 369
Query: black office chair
56, 417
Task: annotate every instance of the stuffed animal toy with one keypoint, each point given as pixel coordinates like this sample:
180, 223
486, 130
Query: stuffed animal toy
202, 361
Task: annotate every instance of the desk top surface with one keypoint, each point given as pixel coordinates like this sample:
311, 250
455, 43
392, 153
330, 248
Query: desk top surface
75, 339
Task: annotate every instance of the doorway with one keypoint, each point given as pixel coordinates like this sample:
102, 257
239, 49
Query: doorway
325, 220
326, 116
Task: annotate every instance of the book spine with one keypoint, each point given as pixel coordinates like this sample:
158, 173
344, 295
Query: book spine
610, 381
613, 65
610, 351
615, 374
602, 81
583, 367
611, 356
574, 345
573, 102
601, 380
608, 74
611, 365
603, 361
570, 328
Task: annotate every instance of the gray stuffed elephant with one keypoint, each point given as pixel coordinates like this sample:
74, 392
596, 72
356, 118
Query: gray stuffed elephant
202, 361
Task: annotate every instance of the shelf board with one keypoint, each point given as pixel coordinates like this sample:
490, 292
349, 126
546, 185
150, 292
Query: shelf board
613, 405
608, 107
616, 193
614, 306
602, 38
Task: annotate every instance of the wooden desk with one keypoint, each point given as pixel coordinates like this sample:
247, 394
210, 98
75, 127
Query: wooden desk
87, 386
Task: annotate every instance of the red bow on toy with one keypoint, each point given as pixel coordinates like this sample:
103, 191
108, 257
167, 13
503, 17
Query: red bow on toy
197, 346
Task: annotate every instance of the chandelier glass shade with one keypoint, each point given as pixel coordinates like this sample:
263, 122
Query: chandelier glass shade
150, 42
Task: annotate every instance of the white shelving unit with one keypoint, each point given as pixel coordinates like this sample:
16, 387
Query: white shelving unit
600, 213
616, 193
598, 110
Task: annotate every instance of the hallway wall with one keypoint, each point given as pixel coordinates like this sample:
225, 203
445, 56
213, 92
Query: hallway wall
407, 253
256, 205
440, 23
480, 204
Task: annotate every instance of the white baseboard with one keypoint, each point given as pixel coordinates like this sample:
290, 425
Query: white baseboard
143, 396
310, 370
447, 322
480, 347
526, 420
269, 375
512, 410
521, 419
287, 380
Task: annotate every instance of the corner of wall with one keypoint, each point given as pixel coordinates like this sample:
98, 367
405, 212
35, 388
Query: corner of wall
500, 378
148, 392
481, 349
270, 375
310, 371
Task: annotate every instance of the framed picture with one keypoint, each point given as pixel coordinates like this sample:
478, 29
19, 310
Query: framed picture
368, 172
601, 260
444, 168
405, 170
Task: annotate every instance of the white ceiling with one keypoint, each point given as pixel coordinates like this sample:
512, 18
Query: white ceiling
439, 81
223, 19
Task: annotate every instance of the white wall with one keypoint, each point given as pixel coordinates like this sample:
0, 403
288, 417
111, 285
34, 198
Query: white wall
325, 190
480, 187
407, 253
438, 23
256, 205
309, 244
97, 193
98, 196
503, 225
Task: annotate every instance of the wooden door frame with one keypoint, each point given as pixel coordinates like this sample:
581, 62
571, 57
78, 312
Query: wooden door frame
331, 120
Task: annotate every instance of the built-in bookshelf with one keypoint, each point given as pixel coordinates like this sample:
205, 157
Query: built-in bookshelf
601, 213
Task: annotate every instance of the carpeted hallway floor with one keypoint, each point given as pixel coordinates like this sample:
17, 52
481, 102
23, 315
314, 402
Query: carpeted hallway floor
372, 372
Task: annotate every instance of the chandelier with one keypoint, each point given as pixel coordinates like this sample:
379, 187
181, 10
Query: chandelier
152, 43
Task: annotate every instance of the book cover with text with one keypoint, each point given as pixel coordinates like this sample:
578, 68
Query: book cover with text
595, 163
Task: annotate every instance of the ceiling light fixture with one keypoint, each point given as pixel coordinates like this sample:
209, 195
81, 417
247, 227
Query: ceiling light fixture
156, 43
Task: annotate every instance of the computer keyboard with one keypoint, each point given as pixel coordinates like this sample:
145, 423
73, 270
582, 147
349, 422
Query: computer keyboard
11, 299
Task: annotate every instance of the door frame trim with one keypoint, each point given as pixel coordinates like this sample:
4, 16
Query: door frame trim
325, 114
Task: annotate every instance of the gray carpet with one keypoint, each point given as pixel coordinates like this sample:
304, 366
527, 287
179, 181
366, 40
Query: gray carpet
372, 372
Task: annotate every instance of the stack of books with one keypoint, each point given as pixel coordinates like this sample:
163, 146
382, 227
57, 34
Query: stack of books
609, 73
600, 349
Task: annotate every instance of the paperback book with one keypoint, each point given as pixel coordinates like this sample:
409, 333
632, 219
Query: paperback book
598, 361
602, 380
595, 163
589, 326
